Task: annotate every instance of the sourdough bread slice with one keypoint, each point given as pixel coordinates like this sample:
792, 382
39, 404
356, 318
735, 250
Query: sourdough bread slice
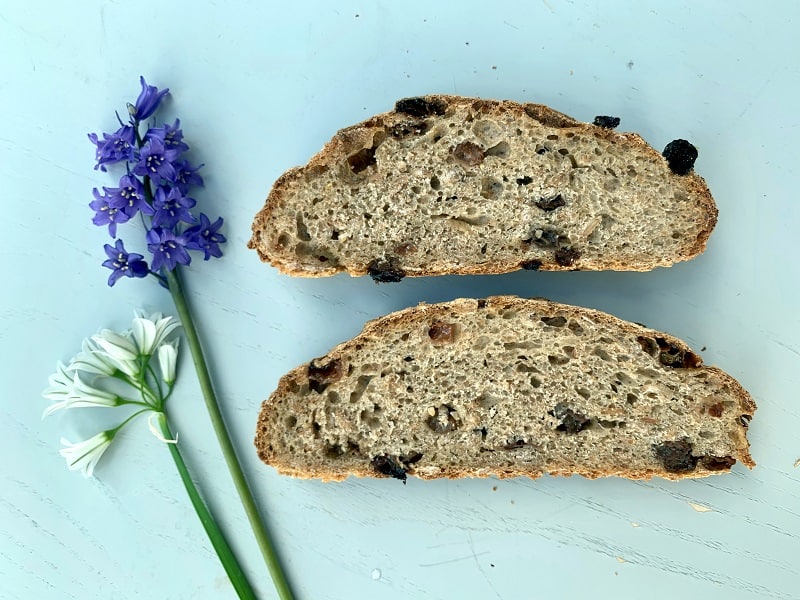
505, 387
446, 184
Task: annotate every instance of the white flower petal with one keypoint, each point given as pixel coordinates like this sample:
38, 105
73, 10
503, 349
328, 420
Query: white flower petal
167, 360
120, 347
85, 455
60, 384
91, 396
93, 360
156, 431
144, 334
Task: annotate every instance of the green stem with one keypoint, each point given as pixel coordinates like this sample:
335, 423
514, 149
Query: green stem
226, 556
228, 451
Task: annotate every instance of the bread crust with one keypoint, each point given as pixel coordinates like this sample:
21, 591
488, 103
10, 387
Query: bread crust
361, 135
401, 320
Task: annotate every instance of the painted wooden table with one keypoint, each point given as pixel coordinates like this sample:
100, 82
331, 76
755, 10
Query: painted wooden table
259, 89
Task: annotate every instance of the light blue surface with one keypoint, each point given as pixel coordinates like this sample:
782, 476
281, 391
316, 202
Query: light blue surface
259, 89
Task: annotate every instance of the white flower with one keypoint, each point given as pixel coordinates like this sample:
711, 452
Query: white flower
60, 384
150, 332
84, 455
156, 432
167, 359
93, 360
121, 348
76, 394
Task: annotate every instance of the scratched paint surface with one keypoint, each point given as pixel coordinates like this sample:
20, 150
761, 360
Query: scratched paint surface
261, 89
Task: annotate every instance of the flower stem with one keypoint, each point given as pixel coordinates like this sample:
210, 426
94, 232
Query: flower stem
226, 556
228, 451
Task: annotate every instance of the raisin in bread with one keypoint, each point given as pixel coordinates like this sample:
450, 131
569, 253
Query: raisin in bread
445, 184
505, 387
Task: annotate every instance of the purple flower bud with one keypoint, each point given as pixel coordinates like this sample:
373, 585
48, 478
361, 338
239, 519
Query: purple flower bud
105, 214
147, 102
168, 249
172, 207
204, 237
123, 263
114, 147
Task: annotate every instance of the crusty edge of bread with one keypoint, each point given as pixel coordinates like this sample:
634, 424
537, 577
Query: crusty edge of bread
349, 137
378, 327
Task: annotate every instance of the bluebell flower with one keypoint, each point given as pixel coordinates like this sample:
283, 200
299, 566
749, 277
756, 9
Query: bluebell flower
114, 147
204, 236
105, 214
171, 135
169, 250
186, 175
147, 102
171, 207
123, 263
129, 197
156, 161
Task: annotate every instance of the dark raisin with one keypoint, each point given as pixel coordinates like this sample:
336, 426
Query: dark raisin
442, 419
442, 333
420, 107
567, 256
717, 463
680, 156
716, 410
524, 180
541, 151
571, 421
405, 248
481, 303
676, 456
606, 122
385, 271
550, 204
361, 159
406, 128
386, 465
321, 374
531, 265
468, 154
744, 420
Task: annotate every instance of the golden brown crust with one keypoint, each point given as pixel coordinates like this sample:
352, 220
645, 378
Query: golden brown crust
360, 135
400, 320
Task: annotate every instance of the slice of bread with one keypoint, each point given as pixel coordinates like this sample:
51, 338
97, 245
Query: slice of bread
505, 387
445, 184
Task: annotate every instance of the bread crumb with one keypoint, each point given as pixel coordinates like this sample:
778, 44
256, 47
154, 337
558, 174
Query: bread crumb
634, 525
494, 488
797, 463
700, 507
621, 560
432, 411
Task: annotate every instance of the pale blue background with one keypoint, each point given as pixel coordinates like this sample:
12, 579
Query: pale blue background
260, 87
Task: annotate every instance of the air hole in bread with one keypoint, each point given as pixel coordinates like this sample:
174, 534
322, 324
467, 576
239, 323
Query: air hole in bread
557, 360
491, 188
500, 150
552, 136
290, 421
435, 183
361, 386
557, 321
598, 351
583, 392
302, 229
